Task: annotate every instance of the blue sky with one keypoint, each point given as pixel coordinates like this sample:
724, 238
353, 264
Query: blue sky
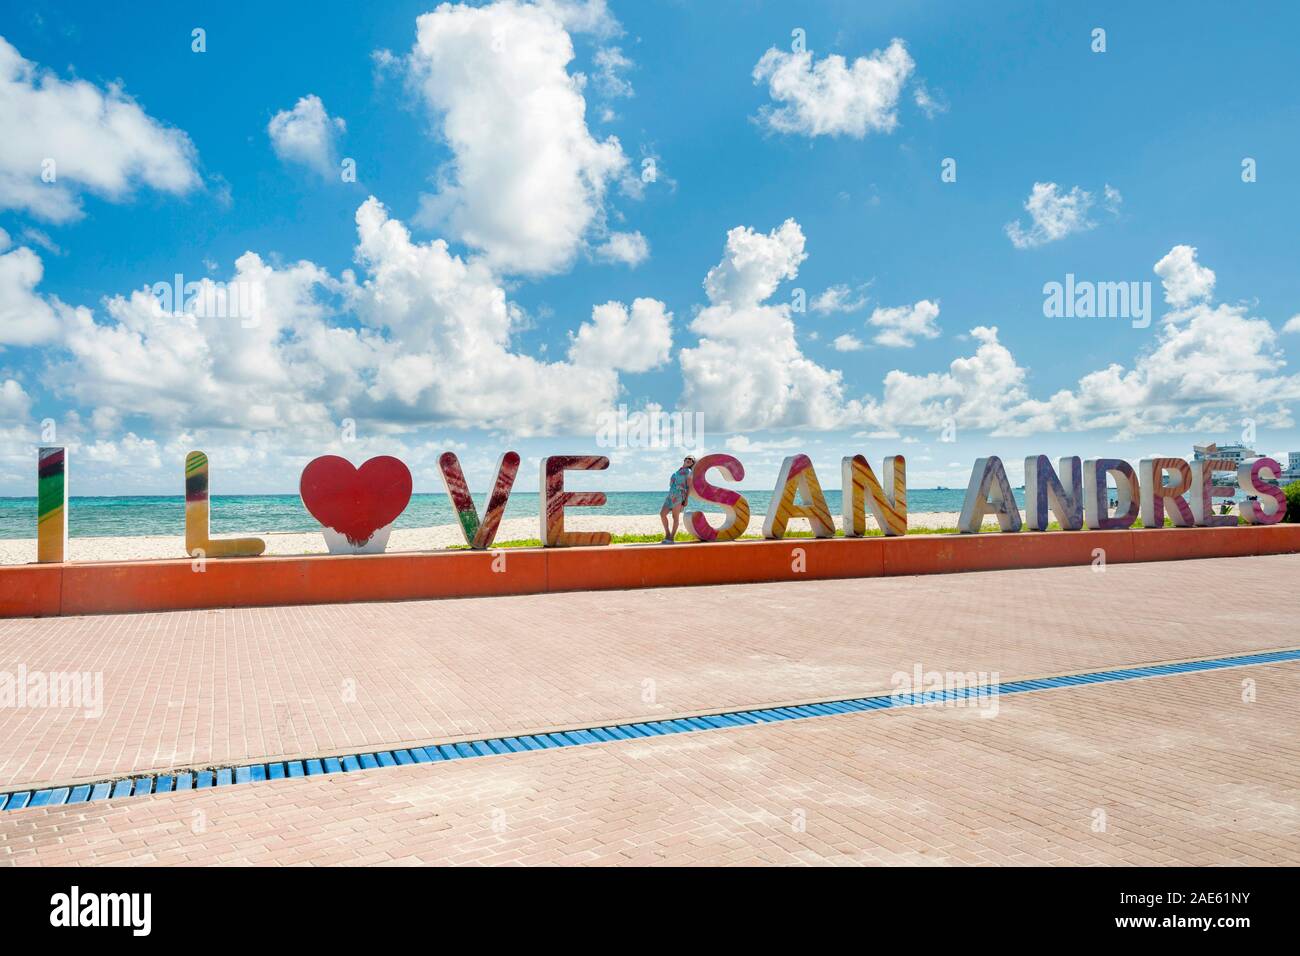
541, 201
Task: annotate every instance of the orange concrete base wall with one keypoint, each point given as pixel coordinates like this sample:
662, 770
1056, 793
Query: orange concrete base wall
37, 590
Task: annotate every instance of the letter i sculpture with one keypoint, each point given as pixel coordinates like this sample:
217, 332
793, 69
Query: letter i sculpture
52, 505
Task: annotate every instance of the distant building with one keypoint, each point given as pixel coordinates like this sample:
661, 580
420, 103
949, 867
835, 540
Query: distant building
1239, 453
1292, 472
1233, 453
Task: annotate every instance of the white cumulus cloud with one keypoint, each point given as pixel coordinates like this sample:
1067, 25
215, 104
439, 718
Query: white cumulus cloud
629, 248
61, 138
583, 16
983, 390
1209, 358
902, 325
528, 181
929, 104
15, 403
26, 317
435, 346
611, 64
454, 324
1184, 279
1054, 214
829, 96
633, 341
839, 298
747, 370
308, 135
1211, 363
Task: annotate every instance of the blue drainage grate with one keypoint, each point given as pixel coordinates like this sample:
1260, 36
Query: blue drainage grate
227, 776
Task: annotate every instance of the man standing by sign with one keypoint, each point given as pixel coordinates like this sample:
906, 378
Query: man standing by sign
679, 487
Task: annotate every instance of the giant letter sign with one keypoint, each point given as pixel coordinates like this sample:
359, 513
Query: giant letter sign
1046, 493
734, 505
555, 499
860, 490
478, 535
355, 506
1251, 481
1157, 496
989, 492
1096, 505
198, 536
52, 505
1204, 490
797, 480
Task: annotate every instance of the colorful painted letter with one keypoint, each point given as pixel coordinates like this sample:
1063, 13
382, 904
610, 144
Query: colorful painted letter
355, 506
1096, 504
989, 492
1047, 493
1157, 496
734, 505
797, 480
861, 490
1204, 490
198, 539
52, 505
1252, 482
555, 499
478, 535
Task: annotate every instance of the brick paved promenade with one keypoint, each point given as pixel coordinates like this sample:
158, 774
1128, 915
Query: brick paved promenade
1168, 770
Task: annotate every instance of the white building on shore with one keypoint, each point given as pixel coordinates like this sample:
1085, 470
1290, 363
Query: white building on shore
1236, 454
1233, 453
1292, 472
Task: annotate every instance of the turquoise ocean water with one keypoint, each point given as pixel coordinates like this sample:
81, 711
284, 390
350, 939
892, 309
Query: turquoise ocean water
137, 515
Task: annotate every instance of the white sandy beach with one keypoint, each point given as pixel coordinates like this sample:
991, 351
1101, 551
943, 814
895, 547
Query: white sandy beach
23, 550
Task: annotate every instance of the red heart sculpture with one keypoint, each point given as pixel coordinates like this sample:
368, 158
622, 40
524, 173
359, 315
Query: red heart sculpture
355, 502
